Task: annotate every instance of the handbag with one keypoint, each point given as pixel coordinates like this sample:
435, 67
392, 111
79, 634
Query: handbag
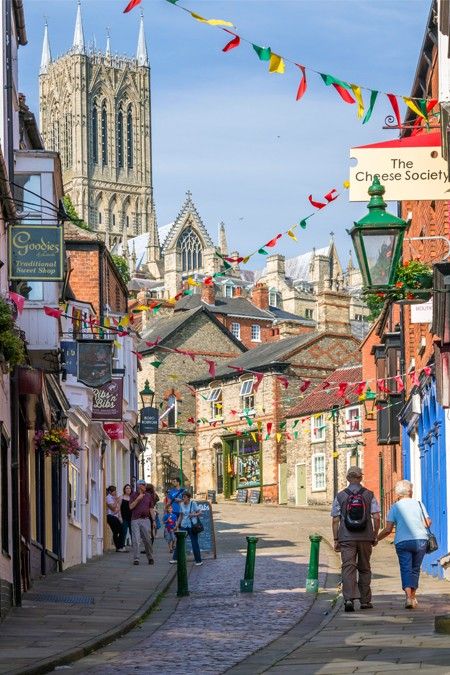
197, 527
432, 543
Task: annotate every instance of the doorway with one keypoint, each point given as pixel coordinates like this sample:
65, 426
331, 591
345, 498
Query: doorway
219, 469
300, 484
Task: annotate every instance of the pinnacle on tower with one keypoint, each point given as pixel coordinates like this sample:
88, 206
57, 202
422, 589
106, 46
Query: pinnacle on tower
141, 51
223, 245
46, 58
108, 44
78, 35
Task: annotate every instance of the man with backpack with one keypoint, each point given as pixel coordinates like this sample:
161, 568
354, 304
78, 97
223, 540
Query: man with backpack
356, 521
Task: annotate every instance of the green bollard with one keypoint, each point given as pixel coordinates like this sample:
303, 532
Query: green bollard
247, 581
182, 577
312, 580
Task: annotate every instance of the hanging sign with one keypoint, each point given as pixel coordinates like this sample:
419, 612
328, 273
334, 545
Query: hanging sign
69, 349
115, 430
406, 171
422, 312
36, 252
149, 421
94, 362
108, 401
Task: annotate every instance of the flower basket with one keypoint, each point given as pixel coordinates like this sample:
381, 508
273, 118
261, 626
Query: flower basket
57, 442
413, 286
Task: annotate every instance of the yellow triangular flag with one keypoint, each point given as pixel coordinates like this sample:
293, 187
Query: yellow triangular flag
117, 344
278, 436
410, 103
358, 95
212, 22
253, 433
292, 235
192, 282
106, 322
276, 64
125, 320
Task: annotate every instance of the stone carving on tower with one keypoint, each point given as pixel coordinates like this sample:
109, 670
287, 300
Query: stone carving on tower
95, 111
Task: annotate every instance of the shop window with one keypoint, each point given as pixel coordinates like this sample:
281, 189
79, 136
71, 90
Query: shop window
215, 401
74, 493
318, 427
249, 464
353, 420
318, 481
247, 397
236, 330
256, 333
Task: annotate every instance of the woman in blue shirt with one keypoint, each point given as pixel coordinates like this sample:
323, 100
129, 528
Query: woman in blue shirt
411, 521
189, 514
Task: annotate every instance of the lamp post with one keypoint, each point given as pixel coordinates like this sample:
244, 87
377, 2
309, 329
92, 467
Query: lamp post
147, 395
181, 438
378, 241
369, 399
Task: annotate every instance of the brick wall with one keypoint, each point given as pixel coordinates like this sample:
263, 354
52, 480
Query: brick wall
85, 276
268, 334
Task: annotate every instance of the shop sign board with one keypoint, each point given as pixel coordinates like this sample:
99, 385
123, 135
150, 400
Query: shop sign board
149, 421
207, 538
407, 173
115, 430
108, 401
423, 312
70, 350
36, 252
94, 362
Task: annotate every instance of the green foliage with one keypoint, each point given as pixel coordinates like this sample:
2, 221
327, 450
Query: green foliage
11, 345
122, 267
375, 304
414, 281
72, 213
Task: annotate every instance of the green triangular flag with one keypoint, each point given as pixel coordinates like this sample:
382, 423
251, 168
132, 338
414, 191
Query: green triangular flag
155, 364
249, 421
295, 424
264, 53
295, 434
283, 425
422, 103
303, 224
373, 98
263, 251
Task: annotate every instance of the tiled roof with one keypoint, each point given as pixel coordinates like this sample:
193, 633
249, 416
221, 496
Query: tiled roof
288, 316
319, 400
74, 233
230, 306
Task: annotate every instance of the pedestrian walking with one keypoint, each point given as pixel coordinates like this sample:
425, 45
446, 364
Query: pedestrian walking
356, 521
113, 517
411, 522
175, 494
170, 523
141, 505
189, 520
150, 489
125, 512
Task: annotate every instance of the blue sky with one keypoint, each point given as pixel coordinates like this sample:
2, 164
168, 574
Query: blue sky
228, 130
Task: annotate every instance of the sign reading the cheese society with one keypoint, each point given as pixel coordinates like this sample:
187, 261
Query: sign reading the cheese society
406, 173
36, 252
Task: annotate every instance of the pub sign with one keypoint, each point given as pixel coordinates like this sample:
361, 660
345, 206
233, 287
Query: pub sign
149, 421
36, 252
107, 403
95, 362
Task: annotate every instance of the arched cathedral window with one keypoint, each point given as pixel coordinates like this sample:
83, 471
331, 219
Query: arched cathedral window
130, 137
191, 249
120, 138
104, 134
95, 133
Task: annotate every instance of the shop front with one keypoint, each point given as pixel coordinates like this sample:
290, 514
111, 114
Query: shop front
242, 465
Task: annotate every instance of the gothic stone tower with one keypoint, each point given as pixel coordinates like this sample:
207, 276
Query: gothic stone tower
95, 111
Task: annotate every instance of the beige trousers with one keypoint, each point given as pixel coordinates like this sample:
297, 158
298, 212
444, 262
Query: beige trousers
141, 529
356, 572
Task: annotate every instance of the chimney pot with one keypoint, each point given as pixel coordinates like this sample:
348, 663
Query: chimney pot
260, 296
208, 294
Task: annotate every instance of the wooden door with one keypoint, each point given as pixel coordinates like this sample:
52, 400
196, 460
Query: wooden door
300, 471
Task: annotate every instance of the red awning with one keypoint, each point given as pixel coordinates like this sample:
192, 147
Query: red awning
422, 140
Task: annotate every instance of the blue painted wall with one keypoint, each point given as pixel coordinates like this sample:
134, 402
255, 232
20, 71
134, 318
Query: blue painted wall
406, 454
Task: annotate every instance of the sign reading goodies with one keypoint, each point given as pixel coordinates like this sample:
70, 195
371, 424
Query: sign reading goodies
407, 173
36, 252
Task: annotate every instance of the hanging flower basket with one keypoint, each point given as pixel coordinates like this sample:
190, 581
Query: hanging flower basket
413, 286
57, 442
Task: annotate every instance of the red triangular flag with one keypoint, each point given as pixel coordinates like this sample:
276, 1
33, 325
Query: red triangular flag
269, 427
394, 103
208, 281
138, 356
212, 367
330, 197
259, 377
325, 385
191, 420
51, 311
427, 370
302, 86
305, 385
342, 388
18, 300
232, 44
237, 368
317, 205
273, 241
233, 412
131, 5
360, 388
284, 381
400, 385
414, 379
343, 93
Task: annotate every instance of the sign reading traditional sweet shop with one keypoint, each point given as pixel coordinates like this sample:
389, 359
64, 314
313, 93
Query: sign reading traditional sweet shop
108, 401
36, 252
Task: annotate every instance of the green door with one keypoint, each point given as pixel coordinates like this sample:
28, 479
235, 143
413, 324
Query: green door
282, 483
300, 471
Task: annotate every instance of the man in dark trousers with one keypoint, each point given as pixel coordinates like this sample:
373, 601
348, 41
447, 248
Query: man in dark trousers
356, 521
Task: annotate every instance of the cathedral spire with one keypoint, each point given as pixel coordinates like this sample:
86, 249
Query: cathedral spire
108, 44
78, 35
141, 52
153, 246
223, 246
46, 58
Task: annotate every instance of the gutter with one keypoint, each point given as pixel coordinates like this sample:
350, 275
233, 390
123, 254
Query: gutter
19, 18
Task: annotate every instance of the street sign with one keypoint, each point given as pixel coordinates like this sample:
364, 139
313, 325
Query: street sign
149, 421
36, 252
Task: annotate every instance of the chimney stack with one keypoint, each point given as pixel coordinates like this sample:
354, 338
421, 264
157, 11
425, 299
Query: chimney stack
333, 309
208, 294
260, 296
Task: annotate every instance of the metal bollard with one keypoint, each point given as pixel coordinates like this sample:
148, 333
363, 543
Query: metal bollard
312, 580
247, 581
182, 577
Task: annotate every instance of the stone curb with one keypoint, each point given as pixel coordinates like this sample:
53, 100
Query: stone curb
85, 648
295, 637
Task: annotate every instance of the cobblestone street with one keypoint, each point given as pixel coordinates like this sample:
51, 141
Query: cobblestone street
217, 626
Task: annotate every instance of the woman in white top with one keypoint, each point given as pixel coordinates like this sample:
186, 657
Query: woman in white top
113, 517
411, 521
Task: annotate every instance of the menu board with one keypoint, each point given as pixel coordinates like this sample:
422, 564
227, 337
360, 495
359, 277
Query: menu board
207, 538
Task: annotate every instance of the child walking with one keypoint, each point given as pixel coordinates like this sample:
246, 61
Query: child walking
170, 523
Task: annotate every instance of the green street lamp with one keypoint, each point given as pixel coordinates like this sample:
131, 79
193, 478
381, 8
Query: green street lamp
147, 395
181, 438
378, 241
369, 401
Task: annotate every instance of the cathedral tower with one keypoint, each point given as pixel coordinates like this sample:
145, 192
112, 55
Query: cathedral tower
95, 111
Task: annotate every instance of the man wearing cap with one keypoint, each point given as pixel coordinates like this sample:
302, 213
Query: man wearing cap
142, 508
354, 537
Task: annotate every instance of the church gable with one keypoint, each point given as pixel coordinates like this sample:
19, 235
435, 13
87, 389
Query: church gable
188, 217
